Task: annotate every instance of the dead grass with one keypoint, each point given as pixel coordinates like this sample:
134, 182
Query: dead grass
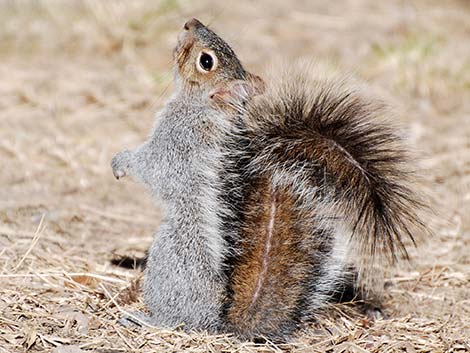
80, 80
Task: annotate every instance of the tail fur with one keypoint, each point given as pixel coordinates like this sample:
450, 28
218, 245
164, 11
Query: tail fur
335, 143
317, 182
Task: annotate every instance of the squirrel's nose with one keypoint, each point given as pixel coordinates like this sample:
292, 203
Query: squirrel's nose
192, 23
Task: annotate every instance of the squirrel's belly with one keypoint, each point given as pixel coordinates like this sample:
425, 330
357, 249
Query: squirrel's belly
180, 165
271, 280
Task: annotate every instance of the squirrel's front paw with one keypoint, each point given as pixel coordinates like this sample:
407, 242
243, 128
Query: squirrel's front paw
120, 164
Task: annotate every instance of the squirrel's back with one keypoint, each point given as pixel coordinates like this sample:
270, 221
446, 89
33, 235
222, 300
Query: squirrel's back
319, 179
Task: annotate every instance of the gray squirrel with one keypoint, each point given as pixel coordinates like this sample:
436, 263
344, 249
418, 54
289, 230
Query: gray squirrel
271, 193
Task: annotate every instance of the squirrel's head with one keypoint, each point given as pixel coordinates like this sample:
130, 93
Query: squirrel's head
205, 61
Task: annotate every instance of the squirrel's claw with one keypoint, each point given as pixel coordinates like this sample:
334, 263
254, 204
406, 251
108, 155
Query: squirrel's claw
119, 173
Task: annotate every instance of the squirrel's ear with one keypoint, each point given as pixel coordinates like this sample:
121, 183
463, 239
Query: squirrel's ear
238, 91
231, 94
257, 83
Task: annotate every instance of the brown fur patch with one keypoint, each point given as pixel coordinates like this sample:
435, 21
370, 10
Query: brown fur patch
268, 276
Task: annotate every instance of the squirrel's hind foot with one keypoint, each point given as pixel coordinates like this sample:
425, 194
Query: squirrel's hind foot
374, 312
135, 319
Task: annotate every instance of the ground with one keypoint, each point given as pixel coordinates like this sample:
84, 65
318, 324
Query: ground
81, 80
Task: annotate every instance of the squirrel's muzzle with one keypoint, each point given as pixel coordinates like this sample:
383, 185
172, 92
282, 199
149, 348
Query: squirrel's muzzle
192, 23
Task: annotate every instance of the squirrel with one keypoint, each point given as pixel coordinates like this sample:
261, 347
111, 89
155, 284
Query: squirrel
272, 193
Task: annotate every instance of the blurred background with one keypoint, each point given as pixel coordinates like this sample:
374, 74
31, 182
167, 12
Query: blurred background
81, 80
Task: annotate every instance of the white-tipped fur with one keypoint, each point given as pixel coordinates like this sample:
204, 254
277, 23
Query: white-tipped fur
367, 237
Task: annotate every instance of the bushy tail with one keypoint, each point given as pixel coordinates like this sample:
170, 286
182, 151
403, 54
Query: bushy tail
336, 143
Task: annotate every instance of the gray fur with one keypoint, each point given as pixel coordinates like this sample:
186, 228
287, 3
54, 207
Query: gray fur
183, 281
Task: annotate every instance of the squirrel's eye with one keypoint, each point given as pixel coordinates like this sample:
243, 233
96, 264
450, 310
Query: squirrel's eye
206, 62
